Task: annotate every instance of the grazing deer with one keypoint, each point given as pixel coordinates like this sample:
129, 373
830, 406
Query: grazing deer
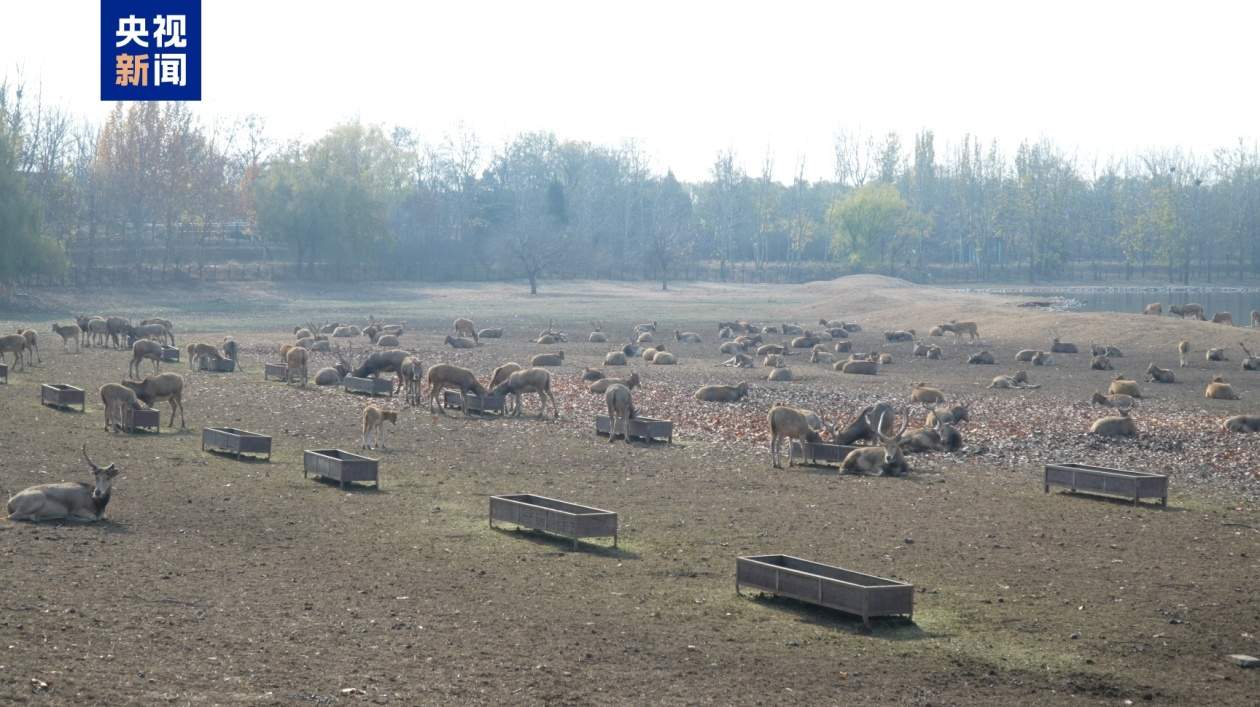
620, 407
445, 375
791, 424
957, 328
142, 349
296, 358
1187, 310
530, 380
410, 373
163, 387
66, 501
32, 345
117, 400
374, 419
1223, 318
465, 328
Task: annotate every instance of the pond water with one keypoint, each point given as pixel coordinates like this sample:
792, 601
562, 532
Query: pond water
1239, 301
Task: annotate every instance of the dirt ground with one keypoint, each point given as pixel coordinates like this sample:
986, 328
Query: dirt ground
214, 581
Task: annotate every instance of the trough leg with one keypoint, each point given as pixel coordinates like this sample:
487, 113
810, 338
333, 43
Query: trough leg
575, 544
614, 540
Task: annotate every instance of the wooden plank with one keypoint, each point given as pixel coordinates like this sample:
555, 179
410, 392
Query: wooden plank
550, 515
1101, 480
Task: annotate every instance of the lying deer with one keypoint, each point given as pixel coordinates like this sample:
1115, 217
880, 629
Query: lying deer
66, 501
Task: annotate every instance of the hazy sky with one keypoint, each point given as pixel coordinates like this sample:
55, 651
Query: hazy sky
688, 78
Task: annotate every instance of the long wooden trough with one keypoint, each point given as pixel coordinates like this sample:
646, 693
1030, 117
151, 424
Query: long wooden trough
61, 395
1107, 481
648, 429
278, 371
821, 453
235, 442
369, 386
488, 405
340, 465
135, 420
852, 592
550, 515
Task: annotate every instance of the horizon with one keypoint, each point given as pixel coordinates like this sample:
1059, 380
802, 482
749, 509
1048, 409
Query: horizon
685, 104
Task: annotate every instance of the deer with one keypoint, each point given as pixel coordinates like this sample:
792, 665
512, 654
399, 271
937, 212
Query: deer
1062, 347
589, 375
1123, 386
1100, 363
1115, 425
374, 419
1113, 400
380, 362
615, 358
142, 349
1105, 350
1241, 423
954, 413
1018, 380
1218, 389
899, 335
115, 327
156, 332
981, 358
921, 393
620, 407
1249, 362
198, 353
602, 385
805, 342
860, 429
465, 328
488, 333
791, 424
1159, 375
296, 359
1192, 309
117, 400
739, 360
957, 328
74, 501
935, 436
722, 393
16, 345
1183, 348
68, 334
687, 337
445, 375
1153, 308
232, 351
163, 387
888, 459
858, 368
1215, 354
1223, 318
547, 359
1255, 318
410, 373
456, 342
530, 380
32, 345
820, 357
597, 336
781, 375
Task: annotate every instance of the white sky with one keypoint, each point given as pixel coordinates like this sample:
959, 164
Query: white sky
688, 78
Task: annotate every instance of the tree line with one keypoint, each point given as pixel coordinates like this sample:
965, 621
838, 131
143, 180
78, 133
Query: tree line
153, 188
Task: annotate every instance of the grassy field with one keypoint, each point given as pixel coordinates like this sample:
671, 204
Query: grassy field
223, 582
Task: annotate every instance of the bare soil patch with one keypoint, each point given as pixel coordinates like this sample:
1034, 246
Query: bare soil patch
216, 581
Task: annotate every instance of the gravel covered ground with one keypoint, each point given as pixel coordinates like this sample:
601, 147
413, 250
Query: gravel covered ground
216, 581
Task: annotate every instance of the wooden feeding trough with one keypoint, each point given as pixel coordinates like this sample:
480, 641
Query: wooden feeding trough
137, 419
821, 453
549, 515
1106, 481
60, 395
279, 371
369, 386
489, 405
216, 365
236, 442
339, 465
170, 354
648, 429
4, 372
826, 585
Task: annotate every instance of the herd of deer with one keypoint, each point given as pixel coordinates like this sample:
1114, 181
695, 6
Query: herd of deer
882, 444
